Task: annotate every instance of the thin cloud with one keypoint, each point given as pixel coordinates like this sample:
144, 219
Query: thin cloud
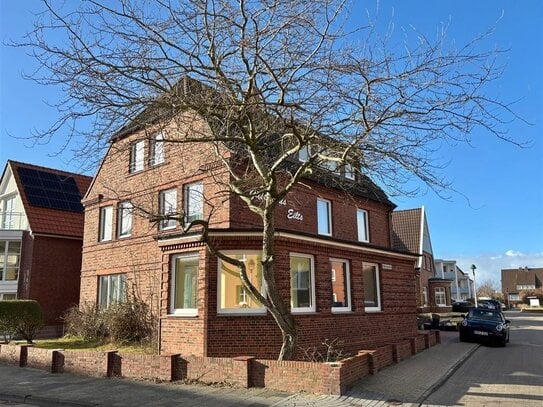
514, 253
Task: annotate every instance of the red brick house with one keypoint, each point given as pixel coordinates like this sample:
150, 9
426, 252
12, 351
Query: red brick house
41, 234
410, 232
335, 261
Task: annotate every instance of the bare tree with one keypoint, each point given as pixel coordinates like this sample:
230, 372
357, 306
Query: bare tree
488, 288
273, 79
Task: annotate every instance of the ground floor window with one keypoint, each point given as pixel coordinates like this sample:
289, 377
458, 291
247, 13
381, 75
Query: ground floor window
372, 294
341, 297
302, 283
111, 289
441, 299
185, 285
233, 297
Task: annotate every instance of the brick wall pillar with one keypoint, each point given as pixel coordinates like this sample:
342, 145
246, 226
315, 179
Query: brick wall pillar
167, 370
413, 342
437, 333
242, 370
395, 353
57, 362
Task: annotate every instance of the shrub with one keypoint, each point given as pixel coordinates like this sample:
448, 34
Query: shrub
86, 322
129, 322
21, 317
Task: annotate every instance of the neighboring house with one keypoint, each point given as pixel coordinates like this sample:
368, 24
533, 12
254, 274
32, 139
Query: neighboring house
462, 284
515, 281
410, 232
335, 262
41, 233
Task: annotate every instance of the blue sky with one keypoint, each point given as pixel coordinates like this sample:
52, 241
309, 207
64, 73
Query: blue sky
496, 219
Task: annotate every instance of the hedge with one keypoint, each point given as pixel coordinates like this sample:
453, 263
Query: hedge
21, 317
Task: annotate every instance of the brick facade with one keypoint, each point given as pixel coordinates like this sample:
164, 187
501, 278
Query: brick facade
50, 265
146, 256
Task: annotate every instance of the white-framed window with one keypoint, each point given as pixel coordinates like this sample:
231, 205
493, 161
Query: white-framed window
349, 171
8, 212
10, 258
124, 219
303, 154
194, 202
441, 298
372, 290
137, 156
168, 206
111, 289
157, 149
324, 217
424, 296
514, 297
302, 283
106, 224
341, 285
8, 296
184, 285
362, 225
232, 297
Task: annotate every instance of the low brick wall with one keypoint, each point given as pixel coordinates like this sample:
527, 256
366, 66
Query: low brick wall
13, 354
87, 363
401, 350
45, 359
245, 371
353, 369
296, 376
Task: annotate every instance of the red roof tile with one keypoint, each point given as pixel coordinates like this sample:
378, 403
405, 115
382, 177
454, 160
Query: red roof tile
406, 230
47, 220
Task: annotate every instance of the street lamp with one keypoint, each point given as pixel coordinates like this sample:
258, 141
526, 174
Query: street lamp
473, 268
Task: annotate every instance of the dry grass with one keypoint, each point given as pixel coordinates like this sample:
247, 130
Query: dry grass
77, 343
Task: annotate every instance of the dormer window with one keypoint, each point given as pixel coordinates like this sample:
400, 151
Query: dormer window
137, 156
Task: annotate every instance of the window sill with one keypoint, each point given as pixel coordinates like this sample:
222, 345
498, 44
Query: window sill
302, 311
372, 311
241, 313
187, 315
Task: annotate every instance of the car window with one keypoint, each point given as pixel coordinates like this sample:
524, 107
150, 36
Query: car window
485, 314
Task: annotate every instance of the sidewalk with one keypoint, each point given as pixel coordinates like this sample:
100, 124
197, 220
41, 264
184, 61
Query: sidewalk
410, 381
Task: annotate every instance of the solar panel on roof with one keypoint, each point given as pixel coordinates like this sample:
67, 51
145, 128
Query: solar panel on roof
50, 190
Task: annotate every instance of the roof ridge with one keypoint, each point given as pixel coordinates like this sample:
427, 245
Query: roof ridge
41, 167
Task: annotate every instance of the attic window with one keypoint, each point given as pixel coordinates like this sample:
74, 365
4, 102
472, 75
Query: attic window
137, 154
349, 171
303, 154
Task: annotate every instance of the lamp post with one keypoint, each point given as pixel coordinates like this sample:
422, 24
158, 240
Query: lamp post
473, 268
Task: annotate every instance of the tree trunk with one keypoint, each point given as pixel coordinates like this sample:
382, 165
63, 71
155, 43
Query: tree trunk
280, 310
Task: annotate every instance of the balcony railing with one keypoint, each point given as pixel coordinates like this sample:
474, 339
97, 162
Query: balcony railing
13, 221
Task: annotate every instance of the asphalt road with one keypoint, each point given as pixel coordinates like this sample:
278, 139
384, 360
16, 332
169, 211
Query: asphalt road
496, 376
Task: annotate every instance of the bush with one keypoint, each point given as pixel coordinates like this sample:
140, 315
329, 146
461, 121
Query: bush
21, 317
86, 322
129, 322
